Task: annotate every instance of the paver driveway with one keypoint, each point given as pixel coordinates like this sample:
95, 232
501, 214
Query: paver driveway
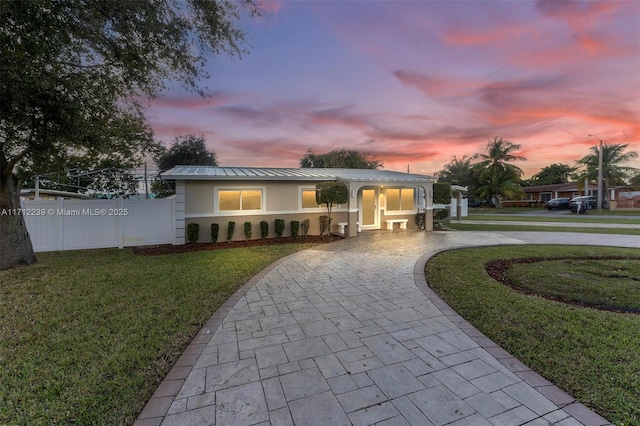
349, 333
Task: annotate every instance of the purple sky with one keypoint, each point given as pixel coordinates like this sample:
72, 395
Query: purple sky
417, 82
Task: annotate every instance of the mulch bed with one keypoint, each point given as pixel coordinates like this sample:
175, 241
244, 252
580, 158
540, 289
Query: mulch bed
190, 248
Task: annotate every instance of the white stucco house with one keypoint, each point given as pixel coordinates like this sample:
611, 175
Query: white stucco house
378, 199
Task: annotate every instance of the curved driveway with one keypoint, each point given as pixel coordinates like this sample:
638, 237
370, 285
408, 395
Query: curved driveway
349, 333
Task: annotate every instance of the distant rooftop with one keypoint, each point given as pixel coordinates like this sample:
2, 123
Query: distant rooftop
312, 174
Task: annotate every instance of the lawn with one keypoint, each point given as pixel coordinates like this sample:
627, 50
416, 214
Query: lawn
87, 336
540, 228
592, 354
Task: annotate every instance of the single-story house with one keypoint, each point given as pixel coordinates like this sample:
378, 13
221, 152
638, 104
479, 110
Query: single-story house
544, 193
378, 199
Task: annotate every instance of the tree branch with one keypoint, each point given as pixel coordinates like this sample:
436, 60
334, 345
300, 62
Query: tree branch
12, 163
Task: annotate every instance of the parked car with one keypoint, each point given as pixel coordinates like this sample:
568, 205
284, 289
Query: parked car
590, 200
557, 203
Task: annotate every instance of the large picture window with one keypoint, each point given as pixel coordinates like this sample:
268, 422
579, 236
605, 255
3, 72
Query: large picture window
239, 200
309, 199
400, 199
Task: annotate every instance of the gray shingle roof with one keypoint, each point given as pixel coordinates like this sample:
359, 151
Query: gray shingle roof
260, 173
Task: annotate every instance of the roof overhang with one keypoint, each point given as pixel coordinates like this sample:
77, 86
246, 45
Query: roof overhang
362, 176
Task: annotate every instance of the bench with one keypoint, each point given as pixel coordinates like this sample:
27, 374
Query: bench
343, 225
402, 222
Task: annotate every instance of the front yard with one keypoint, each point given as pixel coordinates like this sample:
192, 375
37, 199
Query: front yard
592, 354
87, 336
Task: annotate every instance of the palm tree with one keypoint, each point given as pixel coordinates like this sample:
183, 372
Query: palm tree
613, 156
498, 178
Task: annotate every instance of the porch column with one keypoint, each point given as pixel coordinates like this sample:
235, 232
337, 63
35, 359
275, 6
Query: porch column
428, 216
459, 205
352, 227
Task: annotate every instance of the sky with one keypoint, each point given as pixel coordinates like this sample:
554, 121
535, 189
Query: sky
416, 83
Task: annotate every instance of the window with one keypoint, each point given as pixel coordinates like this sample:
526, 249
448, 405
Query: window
239, 200
400, 199
309, 199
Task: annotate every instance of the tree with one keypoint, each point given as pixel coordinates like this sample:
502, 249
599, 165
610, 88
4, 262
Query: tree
554, 173
331, 193
186, 150
72, 76
497, 177
613, 172
340, 159
459, 171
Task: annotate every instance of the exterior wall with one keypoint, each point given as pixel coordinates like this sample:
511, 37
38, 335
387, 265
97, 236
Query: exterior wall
281, 200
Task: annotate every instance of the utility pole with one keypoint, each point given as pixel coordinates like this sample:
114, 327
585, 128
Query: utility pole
600, 150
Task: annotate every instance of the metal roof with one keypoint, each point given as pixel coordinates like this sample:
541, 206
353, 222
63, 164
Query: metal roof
311, 174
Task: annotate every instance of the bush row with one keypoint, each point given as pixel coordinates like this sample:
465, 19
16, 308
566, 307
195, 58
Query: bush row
193, 230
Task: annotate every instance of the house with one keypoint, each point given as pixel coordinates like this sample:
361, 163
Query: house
544, 193
49, 194
619, 197
378, 199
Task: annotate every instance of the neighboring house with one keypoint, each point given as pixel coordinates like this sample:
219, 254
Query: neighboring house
377, 199
619, 197
544, 193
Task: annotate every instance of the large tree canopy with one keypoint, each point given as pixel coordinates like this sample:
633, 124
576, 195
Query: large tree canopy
189, 150
73, 74
613, 170
340, 159
554, 173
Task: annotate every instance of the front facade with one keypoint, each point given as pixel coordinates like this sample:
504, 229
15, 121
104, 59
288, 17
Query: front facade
377, 199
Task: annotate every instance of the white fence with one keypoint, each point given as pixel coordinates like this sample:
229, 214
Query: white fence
84, 224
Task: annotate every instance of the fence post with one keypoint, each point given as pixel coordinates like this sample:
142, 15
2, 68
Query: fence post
58, 219
120, 218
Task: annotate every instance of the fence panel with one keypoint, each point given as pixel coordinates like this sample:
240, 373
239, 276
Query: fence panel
84, 224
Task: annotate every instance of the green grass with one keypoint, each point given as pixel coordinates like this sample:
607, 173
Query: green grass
87, 336
540, 228
592, 354
609, 283
572, 218
518, 210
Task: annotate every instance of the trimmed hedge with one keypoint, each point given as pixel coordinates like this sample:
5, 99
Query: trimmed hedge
215, 230
279, 227
230, 230
264, 229
295, 227
193, 232
247, 230
305, 227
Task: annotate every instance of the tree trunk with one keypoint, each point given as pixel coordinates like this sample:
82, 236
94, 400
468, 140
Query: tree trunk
15, 243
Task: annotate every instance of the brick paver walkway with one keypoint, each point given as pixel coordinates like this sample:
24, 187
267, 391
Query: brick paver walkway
349, 333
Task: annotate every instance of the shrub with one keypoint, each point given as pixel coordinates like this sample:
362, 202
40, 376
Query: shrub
230, 230
441, 193
264, 229
420, 220
247, 230
279, 227
440, 214
215, 230
295, 227
305, 227
193, 232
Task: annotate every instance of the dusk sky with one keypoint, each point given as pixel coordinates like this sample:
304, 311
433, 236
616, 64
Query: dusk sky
417, 82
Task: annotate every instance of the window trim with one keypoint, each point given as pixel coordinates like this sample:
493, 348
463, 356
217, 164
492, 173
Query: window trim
321, 208
388, 212
216, 200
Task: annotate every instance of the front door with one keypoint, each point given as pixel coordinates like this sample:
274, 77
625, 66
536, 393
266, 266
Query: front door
369, 210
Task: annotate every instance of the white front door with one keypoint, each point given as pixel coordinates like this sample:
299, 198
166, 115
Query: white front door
369, 209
